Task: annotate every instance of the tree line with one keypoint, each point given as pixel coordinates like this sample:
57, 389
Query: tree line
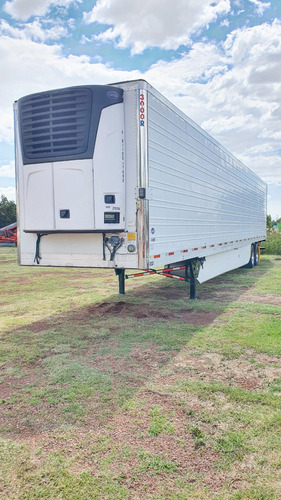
8, 211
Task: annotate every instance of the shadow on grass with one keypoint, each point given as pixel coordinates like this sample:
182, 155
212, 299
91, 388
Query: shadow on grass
80, 366
156, 299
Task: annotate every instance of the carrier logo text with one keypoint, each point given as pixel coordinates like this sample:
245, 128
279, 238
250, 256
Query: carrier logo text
141, 110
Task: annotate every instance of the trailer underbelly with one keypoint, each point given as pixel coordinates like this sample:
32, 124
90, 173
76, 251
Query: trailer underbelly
217, 264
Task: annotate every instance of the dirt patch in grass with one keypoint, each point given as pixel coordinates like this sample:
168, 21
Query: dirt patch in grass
135, 366
197, 317
224, 295
143, 311
121, 309
34, 404
11, 384
42, 325
269, 299
248, 371
126, 450
132, 428
193, 317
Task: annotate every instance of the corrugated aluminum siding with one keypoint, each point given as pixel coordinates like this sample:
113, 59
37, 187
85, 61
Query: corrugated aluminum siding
201, 194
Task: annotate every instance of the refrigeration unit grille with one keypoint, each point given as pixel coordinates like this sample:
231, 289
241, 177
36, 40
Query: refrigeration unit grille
55, 125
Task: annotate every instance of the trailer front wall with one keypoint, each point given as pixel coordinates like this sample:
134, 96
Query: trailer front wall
203, 200
62, 207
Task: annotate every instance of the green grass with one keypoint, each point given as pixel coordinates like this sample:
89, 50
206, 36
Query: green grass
159, 423
232, 445
199, 436
155, 464
150, 395
54, 478
235, 394
241, 332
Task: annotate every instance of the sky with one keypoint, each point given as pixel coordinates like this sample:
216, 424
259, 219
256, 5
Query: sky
219, 61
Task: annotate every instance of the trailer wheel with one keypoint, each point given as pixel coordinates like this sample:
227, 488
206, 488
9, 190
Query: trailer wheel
256, 254
251, 262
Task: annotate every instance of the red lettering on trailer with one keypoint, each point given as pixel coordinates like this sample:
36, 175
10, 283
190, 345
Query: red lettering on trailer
142, 110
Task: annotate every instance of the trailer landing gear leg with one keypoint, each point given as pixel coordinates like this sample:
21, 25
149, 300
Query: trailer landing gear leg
192, 289
121, 279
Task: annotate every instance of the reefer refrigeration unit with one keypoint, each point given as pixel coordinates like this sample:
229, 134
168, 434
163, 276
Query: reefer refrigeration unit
115, 176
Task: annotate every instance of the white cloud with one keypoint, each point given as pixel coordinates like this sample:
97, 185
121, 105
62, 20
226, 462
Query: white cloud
227, 89
43, 67
225, 23
153, 22
266, 166
7, 170
260, 6
34, 31
274, 198
24, 9
9, 192
233, 90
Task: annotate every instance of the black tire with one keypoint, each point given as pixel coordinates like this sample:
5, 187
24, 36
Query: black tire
256, 254
251, 262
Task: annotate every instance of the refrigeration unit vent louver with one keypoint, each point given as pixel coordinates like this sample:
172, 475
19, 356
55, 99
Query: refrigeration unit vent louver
56, 125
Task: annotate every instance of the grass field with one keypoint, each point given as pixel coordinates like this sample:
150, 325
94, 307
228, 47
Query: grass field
142, 396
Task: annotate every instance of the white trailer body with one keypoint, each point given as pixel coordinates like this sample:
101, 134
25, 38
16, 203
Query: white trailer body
117, 176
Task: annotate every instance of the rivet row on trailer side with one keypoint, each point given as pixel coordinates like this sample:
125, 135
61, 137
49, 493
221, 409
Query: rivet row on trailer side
115, 176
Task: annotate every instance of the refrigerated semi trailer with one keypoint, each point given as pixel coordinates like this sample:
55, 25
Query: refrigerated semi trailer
116, 176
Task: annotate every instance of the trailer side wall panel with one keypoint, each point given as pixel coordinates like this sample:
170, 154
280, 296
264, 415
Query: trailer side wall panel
201, 196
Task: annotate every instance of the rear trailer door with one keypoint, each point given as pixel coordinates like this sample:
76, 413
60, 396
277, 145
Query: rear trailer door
72, 168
